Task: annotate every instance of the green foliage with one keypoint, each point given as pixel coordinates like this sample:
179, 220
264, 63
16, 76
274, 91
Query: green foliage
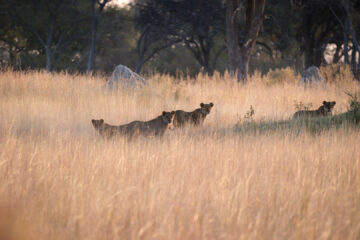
350, 119
312, 125
354, 101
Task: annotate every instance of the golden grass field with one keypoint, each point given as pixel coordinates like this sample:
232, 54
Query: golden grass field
60, 180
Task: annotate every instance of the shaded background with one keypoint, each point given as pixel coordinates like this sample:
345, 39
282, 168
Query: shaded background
172, 36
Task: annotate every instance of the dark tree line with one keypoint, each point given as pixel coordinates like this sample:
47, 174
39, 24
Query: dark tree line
44, 24
93, 35
195, 24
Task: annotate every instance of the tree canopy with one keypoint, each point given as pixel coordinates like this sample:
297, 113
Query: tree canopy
175, 36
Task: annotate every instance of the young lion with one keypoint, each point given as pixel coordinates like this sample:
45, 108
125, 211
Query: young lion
194, 118
154, 127
324, 110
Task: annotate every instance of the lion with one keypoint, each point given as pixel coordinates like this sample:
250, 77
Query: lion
324, 110
154, 127
194, 118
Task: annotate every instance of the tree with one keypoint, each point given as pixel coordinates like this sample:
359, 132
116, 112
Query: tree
94, 25
193, 23
150, 19
116, 41
347, 27
12, 44
148, 44
240, 43
278, 31
324, 22
51, 22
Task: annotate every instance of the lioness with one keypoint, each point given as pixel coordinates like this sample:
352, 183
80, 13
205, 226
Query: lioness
194, 118
154, 127
324, 110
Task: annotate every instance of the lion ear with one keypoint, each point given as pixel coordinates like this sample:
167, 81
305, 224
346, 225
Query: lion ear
201, 105
211, 104
324, 102
334, 103
163, 113
101, 120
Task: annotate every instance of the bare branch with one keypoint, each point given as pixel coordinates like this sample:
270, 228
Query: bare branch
238, 9
336, 16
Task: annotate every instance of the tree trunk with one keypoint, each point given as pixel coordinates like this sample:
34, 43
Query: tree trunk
139, 65
215, 58
318, 54
48, 58
352, 32
239, 51
346, 42
206, 63
48, 51
90, 63
308, 41
232, 36
243, 66
337, 53
353, 58
11, 57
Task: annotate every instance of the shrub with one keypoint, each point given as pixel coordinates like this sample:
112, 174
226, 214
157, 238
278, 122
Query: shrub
249, 116
354, 101
337, 73
281, 76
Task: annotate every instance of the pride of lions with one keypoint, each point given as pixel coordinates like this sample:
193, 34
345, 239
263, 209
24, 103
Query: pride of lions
180, 118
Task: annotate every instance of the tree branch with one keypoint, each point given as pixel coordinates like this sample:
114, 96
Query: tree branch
238, 9
336, 16
217, 55
267, 48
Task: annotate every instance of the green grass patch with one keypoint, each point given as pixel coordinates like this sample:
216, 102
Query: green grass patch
313, 125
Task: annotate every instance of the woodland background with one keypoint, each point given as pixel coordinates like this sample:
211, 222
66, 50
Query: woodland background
175, 37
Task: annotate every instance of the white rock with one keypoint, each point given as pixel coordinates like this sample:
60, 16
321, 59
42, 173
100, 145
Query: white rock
312, 77
123, 77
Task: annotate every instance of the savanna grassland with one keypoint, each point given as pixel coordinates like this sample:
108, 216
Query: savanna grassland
60, 180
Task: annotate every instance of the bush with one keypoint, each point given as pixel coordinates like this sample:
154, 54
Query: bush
337, 73
281, 76
354, 101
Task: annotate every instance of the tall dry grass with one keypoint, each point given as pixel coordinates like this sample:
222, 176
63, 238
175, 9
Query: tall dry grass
62, 181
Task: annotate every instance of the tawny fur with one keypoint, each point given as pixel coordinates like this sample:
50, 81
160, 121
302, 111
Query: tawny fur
194, 118
154, 127
324, 110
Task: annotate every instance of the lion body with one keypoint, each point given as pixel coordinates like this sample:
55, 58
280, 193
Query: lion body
194, 118
322, 111
154, 127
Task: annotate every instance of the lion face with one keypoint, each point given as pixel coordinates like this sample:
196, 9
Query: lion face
206, 108
328, 106
168, 118
97, 123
